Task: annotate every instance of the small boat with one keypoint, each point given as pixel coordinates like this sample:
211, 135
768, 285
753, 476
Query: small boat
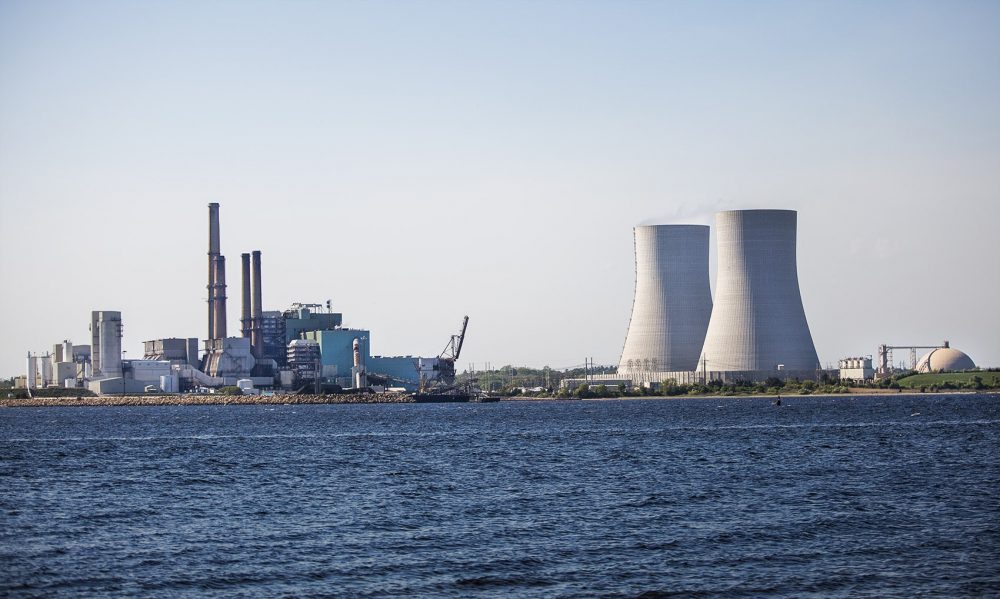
445, 397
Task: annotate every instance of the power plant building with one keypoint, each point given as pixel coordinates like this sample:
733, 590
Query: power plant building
106, 337
673, 299
336, 347
305, 343
272, 336
301, 318
177, 351
758, 324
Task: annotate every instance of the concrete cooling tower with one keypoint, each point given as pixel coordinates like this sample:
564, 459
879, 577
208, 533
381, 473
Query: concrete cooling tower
673, 300
758, 322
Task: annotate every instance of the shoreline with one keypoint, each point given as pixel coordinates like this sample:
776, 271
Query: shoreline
798, 396
393, 398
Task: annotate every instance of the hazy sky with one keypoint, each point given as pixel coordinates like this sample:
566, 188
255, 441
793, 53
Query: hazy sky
418, 161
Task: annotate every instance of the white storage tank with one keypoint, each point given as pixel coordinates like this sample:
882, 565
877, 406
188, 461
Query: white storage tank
170, 383
31, 380
45, 363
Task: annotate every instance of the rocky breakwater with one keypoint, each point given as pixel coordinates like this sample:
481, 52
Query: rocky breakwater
202, 400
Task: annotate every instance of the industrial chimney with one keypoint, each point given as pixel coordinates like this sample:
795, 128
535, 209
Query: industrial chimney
673, 299
758, 322
256, 339
245, 320
213, 252
219, 318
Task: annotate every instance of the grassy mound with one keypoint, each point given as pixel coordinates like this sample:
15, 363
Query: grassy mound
953, 380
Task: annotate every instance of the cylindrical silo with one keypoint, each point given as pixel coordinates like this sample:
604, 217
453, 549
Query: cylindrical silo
758, 323
45, 369
673, 300
31, 378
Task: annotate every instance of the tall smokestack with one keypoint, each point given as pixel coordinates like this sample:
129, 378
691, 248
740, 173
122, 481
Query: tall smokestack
245, 320
219, 318
213, 251
255, 337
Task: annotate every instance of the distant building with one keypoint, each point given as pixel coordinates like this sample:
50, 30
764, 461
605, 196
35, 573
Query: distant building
945, 359
408, 372
272, 331
304, 360
300, 319
856, 369
336, 347
174, 350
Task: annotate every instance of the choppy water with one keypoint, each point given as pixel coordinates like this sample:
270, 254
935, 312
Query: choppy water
873, 496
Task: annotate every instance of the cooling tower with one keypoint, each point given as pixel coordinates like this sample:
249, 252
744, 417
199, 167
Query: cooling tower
673, 300
758, 322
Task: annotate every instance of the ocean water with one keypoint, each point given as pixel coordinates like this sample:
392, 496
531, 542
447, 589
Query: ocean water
827, 497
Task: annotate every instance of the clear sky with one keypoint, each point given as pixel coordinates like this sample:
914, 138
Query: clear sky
418, 161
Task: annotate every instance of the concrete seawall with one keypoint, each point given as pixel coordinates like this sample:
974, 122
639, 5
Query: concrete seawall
203, 400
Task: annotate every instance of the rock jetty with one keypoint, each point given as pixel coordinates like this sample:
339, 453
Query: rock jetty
204, 400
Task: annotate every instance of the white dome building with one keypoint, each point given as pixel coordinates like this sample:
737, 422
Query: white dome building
944, 358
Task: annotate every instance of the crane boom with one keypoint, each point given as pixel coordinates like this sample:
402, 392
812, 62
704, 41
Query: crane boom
461, 337
450, 353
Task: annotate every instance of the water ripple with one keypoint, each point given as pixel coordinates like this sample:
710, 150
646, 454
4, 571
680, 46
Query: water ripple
822, 496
